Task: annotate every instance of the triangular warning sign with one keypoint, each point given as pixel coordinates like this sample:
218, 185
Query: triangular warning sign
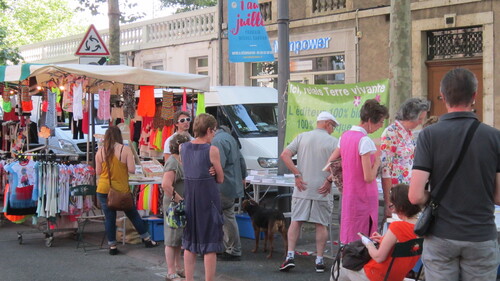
92, 44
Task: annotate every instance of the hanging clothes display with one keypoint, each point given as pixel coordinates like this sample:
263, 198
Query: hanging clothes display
103, 111
128, 102
146, 106
77, 101
167, 111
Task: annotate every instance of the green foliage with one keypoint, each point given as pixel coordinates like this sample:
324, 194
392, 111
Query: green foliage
188, 5
8, 55
26, 21
95, 5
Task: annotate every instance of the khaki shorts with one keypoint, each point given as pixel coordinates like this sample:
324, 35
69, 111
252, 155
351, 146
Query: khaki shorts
312, 210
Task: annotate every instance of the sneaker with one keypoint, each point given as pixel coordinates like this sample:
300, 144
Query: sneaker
288, 264
320, 267
228, 257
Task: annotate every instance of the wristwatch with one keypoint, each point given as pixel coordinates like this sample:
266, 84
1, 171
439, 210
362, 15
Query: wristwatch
297, 175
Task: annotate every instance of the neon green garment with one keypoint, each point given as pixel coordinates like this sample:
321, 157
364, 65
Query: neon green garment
7, 106
201, 104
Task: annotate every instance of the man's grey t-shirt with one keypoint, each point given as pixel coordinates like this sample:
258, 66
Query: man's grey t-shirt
466, 212
313, 149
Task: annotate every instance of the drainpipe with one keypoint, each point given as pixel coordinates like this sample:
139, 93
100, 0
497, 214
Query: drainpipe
220, 4
358, 36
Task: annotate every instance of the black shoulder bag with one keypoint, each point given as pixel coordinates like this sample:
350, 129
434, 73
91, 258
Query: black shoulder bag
426, 218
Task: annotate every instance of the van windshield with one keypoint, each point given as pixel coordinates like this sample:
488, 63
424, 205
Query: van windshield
254, 119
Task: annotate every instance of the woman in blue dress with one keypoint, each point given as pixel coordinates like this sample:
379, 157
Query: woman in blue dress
203, 232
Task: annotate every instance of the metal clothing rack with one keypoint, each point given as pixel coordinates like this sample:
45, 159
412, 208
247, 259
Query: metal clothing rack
45, 227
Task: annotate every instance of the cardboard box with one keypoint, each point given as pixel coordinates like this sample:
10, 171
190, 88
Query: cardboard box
155, 227
245, 226
152, 168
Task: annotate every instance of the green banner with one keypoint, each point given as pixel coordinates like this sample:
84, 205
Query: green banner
343, 101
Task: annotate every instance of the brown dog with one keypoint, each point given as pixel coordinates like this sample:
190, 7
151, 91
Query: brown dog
268, 220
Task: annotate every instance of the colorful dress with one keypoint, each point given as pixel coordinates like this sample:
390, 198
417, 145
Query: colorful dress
203, 232
359, 199
397, 146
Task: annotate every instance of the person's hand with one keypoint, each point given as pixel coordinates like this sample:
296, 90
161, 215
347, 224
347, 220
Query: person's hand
300, 184
211, 171
326, 188
376, 237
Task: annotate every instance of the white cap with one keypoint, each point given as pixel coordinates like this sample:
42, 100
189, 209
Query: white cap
324, 116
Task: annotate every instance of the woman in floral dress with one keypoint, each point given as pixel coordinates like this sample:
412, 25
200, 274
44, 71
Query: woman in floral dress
398, 144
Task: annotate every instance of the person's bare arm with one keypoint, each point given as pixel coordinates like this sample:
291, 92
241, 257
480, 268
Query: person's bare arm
167, 185
386, 187
286, 156
369, 169
417, 194
384, 249
98, 161
130, 159
497, 189
215, 159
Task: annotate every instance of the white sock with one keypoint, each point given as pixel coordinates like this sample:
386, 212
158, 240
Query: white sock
319, 260
290, 255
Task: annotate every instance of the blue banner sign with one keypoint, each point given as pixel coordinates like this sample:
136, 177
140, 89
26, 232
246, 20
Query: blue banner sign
248, 41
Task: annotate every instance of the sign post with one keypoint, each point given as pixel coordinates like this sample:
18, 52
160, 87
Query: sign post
92, 49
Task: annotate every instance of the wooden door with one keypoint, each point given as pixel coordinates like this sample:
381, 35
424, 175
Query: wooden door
437, 69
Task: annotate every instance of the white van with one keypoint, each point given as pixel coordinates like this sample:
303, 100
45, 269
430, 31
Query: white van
251, 114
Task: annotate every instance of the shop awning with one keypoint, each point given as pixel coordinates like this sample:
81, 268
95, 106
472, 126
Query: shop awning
115, 73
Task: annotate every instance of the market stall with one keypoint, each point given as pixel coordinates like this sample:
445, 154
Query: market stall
70, 88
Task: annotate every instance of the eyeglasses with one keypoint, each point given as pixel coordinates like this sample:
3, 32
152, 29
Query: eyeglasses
182, 120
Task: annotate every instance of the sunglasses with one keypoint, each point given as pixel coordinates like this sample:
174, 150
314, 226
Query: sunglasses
182, 120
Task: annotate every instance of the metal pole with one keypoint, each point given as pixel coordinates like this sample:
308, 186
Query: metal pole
283, 75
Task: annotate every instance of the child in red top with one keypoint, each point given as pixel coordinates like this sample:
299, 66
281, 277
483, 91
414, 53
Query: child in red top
399, 231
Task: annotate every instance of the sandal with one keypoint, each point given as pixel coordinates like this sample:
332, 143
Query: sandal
150, 243
173, 277
181, 273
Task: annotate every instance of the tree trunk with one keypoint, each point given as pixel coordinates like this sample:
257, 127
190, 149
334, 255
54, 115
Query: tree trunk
114, 31
400, 54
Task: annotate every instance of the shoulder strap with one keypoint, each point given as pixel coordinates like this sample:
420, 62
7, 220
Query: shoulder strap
121, 150
444, 186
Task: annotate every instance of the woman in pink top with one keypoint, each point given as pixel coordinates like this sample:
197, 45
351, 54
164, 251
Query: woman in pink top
360, 163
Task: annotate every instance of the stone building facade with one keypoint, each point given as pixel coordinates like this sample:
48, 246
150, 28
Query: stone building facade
331, 41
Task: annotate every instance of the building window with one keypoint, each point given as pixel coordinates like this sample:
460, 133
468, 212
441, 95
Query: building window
323, 69
202, 66
155, 65
455, 43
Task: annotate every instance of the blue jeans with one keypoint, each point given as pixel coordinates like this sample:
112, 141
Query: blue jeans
110, 223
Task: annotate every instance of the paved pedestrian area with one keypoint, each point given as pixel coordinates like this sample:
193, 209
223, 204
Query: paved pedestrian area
33, 260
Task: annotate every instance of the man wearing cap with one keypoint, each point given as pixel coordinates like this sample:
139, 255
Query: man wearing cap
308, 203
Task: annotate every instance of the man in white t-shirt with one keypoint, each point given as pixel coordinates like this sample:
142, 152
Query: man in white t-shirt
182, 122
309, 204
